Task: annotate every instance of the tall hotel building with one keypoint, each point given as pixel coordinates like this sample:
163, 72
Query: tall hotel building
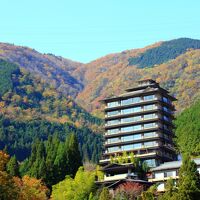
140, 121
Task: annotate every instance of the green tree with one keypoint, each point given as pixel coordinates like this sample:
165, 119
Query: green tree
189, 180
72, 154
80, 188
13, 167
105, 195
169, 190
149, 194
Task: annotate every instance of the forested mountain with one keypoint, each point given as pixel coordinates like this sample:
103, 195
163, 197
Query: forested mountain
30, 108
54, 69
173, 63
113, 74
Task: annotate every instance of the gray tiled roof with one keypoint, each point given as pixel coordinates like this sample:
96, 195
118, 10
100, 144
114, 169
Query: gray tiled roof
173, 165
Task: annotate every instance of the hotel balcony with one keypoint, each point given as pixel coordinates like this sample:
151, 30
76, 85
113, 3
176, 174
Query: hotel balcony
143, 155
138, 139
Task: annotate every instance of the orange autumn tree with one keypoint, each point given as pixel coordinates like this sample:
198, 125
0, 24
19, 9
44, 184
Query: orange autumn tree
15, 188
8, 189
31, 188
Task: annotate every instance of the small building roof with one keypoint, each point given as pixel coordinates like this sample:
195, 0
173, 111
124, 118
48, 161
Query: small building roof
172, 165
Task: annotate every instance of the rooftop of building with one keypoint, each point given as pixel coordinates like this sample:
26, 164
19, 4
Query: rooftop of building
173, 165
144, 86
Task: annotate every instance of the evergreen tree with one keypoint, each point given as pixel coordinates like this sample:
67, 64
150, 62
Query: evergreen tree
189, 181
13, 167
169, 190
72, 154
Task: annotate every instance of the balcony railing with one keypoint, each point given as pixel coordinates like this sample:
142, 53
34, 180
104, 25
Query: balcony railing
133, 130
122, 122
136, 111
139, 138
118, 104
142, 147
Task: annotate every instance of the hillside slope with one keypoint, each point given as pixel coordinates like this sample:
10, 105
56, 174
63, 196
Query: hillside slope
180, 76
54, 69
174, 64
30, 108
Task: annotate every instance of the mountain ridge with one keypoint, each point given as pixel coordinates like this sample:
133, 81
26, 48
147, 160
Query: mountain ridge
111, 74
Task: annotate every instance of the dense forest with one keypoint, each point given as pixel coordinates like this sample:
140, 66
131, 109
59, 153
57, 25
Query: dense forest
31, 108
188, 130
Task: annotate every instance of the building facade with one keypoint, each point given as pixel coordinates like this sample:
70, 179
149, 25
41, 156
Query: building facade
168, 170
140, 121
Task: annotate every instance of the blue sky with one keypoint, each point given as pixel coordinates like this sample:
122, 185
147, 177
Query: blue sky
84, 30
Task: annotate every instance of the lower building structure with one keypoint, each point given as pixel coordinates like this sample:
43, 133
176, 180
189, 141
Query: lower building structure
167, 170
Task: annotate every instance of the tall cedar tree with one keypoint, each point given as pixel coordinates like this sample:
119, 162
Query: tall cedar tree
13, 166
73, 154
189, 180
53, 159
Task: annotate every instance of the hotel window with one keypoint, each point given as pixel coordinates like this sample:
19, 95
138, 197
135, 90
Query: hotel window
150, 144
150, 134
113, 140
126, 120
151, 162
128, 138
159, 175
127, 111
150, 116
137, 136
136, 99
113, 104
166, 100
127, 147
113, 149
113, 131
137, 109
132, 128
137, 127
113, 122
149, 107
150, 125
127, 129
166, 118
127, 101
166, 109
170, 174
137, 146
111, 113
137, 118
148, 98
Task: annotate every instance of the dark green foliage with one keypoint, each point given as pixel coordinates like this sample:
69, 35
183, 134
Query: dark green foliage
166, 51
170, 190
6, 71
189, 180
188, 130
13, 167
53, 159
18, 137
31, 108
73, 154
